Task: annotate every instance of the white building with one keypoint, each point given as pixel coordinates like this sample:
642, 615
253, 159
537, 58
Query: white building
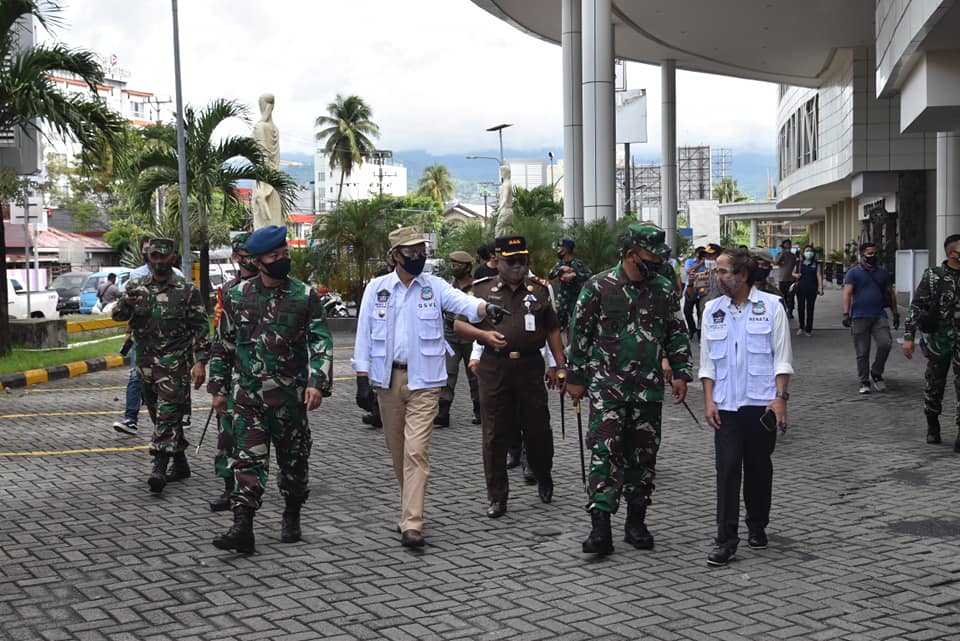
374, 177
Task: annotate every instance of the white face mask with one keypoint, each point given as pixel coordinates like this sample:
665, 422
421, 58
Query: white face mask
711, 264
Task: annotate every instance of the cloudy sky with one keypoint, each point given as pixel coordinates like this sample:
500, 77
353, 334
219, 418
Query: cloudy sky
435, 72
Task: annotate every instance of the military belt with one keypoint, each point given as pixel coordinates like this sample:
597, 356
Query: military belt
515, 355
399, 365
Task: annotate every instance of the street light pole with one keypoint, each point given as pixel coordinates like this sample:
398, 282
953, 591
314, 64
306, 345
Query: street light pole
499, 129
181, 150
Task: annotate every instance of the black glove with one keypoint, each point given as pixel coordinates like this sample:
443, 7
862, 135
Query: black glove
846, 320
365, 397
896, 321
496, 313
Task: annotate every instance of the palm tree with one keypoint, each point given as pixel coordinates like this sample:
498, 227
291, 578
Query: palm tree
346, 135
726, 191
213, 166
28, 95
437, 183
536, 203
360, 226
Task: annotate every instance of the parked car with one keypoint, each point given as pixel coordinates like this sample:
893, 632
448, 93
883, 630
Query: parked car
88, 293
68, 288
42, 304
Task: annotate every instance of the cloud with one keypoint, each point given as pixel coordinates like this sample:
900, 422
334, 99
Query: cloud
436, 72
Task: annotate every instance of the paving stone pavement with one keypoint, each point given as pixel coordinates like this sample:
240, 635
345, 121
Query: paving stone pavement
863, 539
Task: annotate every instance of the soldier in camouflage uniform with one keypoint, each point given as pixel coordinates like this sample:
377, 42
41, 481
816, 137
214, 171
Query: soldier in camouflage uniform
272, 351
247, 269
936, 306
168, 322
625, 322
572, 273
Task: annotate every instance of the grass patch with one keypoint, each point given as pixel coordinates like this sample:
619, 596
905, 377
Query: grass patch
21, 360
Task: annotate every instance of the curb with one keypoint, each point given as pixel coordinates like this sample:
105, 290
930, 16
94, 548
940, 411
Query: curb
55, 372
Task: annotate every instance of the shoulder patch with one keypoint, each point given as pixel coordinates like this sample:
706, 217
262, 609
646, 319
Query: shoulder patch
482, 280
539, 281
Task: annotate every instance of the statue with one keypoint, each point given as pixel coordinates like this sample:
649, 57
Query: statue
505, 204
266, 200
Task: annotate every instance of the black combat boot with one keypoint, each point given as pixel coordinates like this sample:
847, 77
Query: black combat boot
933, 429
290, 527
476, 413
600, 540
442, 419
180, 469
240, 535
956, 444
222, 502
635, 531
158, 477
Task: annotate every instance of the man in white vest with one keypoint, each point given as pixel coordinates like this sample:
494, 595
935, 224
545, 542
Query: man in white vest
745, 366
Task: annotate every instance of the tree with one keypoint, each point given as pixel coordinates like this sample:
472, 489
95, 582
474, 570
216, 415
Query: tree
437, 183
536, 203
346, 135
29, 96
213, 167
359, 228
726, 191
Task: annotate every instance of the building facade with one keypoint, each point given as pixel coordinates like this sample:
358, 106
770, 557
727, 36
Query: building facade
373, 177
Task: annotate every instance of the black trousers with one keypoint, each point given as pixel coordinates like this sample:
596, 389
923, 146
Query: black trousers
787, 296
805, 304
689, 305
743, 448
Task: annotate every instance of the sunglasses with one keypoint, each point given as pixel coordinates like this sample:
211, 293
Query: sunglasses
412, 253
513, 261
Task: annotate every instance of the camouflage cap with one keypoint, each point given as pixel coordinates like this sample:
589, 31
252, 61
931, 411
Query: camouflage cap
162, 246
649, 236
239, 242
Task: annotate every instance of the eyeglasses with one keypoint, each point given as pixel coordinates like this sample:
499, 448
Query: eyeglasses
412, 254
513, 261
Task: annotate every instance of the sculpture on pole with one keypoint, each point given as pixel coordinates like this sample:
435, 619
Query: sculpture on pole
505, 204
266, 201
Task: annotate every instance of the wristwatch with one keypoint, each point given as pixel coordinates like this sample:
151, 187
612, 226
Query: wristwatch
784, 395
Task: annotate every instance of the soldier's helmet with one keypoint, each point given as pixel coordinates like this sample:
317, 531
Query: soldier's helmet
648, 236
239, 242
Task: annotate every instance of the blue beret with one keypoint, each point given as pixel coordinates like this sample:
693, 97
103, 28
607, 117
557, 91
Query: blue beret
266, 239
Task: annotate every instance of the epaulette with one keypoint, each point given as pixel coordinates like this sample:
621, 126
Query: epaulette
481, 280
540, 281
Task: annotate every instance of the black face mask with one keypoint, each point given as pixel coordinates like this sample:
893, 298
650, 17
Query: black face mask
161, 269
871, 260
648, 269
414, 266
762, 275
278, 269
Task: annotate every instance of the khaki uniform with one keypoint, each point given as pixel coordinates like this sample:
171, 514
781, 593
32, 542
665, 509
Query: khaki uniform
512, 391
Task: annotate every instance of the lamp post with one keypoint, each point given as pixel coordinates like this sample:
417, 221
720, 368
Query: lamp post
552, 184
181, 149
499, 129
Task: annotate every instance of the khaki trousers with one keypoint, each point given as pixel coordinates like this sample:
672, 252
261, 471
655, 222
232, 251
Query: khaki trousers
407, 424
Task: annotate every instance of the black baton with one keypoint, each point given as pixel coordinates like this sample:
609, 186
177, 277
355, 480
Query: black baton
563, 422
204, 432
692, 415
583, 465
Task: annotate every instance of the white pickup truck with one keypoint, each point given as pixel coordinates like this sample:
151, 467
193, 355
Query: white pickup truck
42, 304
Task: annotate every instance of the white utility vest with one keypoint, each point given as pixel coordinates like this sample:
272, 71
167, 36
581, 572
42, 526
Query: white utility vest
741, 348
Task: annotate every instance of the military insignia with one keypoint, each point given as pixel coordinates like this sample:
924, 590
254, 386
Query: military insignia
718, 316
529, 288
383, 296
529, 297
759, 309
426, 293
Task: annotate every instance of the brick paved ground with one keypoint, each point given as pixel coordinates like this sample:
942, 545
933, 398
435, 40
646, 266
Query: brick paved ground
863, 542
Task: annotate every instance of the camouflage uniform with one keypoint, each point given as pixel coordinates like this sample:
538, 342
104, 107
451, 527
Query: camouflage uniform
271, 344
621, 332
170, 329
567, 292
938, 293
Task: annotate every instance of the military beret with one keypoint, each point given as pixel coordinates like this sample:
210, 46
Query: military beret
511, 245
567, 242
648, 236
239, 241
266, 239
162, 246
461, 257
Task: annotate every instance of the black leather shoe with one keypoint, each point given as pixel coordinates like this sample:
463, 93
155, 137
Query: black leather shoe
411, 539
721, 555
528, 476
758, 540
497, 509
545, 490
373, 420
513, 459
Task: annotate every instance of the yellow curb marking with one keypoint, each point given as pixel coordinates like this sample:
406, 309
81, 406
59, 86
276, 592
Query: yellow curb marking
77, 368
72, 389
86, 451
34, 376
83, 326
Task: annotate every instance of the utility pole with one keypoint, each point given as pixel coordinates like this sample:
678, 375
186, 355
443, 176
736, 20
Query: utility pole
182, 152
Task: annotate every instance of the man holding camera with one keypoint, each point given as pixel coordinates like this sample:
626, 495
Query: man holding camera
934, 311
168, 323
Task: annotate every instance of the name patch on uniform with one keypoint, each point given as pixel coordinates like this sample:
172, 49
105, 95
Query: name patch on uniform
759, 309
426, 293
718, 316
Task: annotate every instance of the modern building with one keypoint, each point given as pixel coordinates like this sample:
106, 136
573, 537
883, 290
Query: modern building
868, 110
373, 177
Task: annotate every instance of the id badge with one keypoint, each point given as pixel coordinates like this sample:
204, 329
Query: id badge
529, 322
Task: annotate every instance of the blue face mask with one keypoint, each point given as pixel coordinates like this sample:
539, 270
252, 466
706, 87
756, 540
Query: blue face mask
808, 255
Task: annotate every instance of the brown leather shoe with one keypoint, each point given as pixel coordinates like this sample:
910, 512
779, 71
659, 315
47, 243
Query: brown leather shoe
411, 539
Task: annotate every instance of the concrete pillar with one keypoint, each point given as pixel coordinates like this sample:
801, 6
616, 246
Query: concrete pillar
948, 190
753, 232
599, 179
668, 151
570, 42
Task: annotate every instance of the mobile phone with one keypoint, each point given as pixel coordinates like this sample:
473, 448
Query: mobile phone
769, 420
